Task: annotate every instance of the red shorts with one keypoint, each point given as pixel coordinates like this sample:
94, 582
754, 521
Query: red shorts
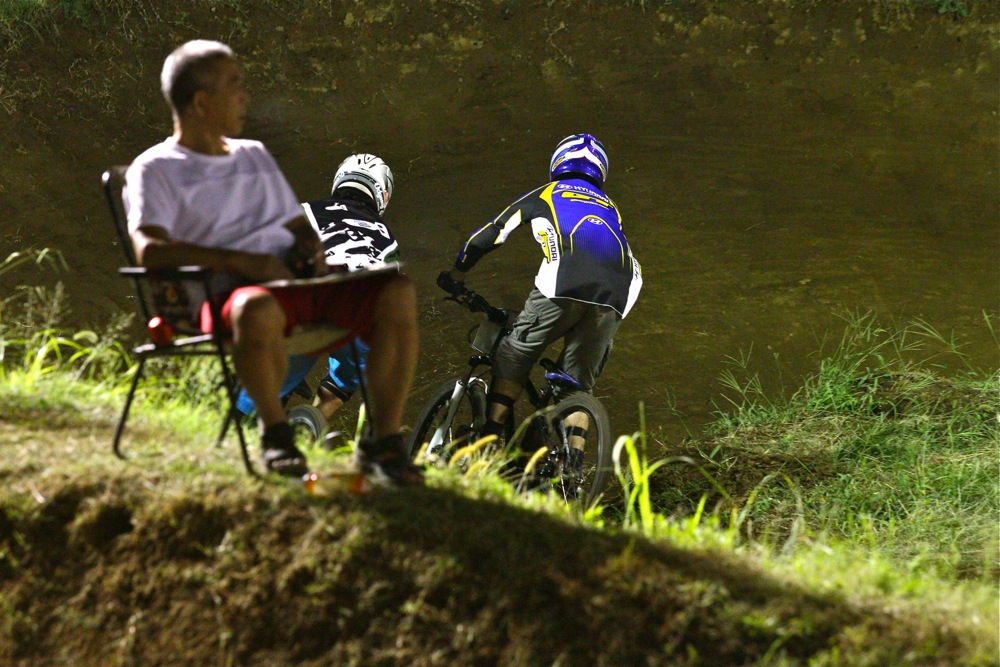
348, 305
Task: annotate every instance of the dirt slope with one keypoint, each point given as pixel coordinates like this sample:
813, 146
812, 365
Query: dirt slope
106, 563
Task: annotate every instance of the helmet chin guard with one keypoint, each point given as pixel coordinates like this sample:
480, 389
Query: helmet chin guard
369, 173
580, 154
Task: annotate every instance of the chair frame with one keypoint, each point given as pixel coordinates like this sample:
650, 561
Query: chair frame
189, 342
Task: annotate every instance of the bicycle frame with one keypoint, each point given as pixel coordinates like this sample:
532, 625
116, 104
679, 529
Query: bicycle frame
561, 428
539, 399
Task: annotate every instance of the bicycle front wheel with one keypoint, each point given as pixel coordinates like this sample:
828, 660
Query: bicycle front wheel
579, 421
307, 421
463, 428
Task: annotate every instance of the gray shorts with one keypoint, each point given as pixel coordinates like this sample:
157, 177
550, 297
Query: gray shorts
588, 330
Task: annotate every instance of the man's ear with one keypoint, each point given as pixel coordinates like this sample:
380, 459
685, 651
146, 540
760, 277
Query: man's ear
198, 103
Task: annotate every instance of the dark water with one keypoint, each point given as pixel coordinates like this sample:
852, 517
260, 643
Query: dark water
764, 202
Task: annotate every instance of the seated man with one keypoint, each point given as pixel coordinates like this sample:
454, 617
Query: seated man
203, 197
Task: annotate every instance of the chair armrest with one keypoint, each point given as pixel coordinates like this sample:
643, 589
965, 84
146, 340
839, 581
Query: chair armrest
180, 273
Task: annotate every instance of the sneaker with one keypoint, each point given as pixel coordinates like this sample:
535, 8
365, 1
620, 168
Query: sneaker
386, 460
280, 454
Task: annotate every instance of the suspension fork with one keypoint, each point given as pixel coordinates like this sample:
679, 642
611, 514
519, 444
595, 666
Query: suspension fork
437, 440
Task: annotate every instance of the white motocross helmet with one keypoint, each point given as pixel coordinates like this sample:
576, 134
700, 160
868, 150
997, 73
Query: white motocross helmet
369, 173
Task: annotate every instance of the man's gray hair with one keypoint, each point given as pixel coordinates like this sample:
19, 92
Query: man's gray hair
188, 69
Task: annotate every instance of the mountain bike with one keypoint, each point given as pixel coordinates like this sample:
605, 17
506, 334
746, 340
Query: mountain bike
456, 413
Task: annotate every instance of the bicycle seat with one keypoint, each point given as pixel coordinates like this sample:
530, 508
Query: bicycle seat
557, 376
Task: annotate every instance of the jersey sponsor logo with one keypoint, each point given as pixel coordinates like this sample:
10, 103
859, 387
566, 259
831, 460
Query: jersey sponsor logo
582, 194
586, 198
365, 224
549, 245
336, 207
563, 187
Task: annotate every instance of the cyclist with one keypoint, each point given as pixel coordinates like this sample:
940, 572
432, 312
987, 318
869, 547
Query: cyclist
587, 282
354, 237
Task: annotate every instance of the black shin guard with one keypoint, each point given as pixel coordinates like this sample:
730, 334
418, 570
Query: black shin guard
493, 428
328, 385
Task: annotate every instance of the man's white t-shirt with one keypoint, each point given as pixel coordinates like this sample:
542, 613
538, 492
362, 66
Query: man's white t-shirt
240, 201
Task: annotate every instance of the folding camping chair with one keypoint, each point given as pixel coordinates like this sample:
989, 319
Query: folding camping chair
163, 294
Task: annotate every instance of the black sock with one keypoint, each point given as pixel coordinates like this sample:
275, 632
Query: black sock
493, 428
278, 436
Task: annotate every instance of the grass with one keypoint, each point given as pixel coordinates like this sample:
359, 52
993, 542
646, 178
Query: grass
879, 548
880, 447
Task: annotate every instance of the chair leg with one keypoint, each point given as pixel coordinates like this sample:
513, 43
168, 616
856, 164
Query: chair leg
128, 404
369, 428
224, 430
233, 414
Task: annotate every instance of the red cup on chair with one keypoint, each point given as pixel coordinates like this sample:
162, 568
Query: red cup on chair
161, 332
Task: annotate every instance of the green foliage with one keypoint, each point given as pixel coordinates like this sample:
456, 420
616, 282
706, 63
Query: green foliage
33, 343
216, 540
635, 480
956, 7
42, 257
897, 455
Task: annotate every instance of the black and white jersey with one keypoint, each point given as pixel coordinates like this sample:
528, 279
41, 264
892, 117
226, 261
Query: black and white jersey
352, 231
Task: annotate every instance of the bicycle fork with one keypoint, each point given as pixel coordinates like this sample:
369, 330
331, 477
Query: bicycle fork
437, 441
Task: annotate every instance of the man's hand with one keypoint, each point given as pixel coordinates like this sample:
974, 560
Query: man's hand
456, 275
447, 282
258, 268
307, 257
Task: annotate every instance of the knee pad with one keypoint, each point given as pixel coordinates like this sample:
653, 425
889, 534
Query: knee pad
502, 399
328, 384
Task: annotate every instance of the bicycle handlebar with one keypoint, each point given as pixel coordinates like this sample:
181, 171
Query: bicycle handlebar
470, 300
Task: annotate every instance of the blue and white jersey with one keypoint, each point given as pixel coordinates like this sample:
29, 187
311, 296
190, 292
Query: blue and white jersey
586, 256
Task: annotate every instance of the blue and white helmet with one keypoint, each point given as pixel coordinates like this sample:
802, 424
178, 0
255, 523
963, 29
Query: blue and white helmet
368, 173
581, 154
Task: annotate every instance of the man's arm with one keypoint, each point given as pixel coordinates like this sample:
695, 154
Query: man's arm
154, 249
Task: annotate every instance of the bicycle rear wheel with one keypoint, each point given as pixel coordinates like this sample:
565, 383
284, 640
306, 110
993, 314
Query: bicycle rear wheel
549, 430
463, 429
